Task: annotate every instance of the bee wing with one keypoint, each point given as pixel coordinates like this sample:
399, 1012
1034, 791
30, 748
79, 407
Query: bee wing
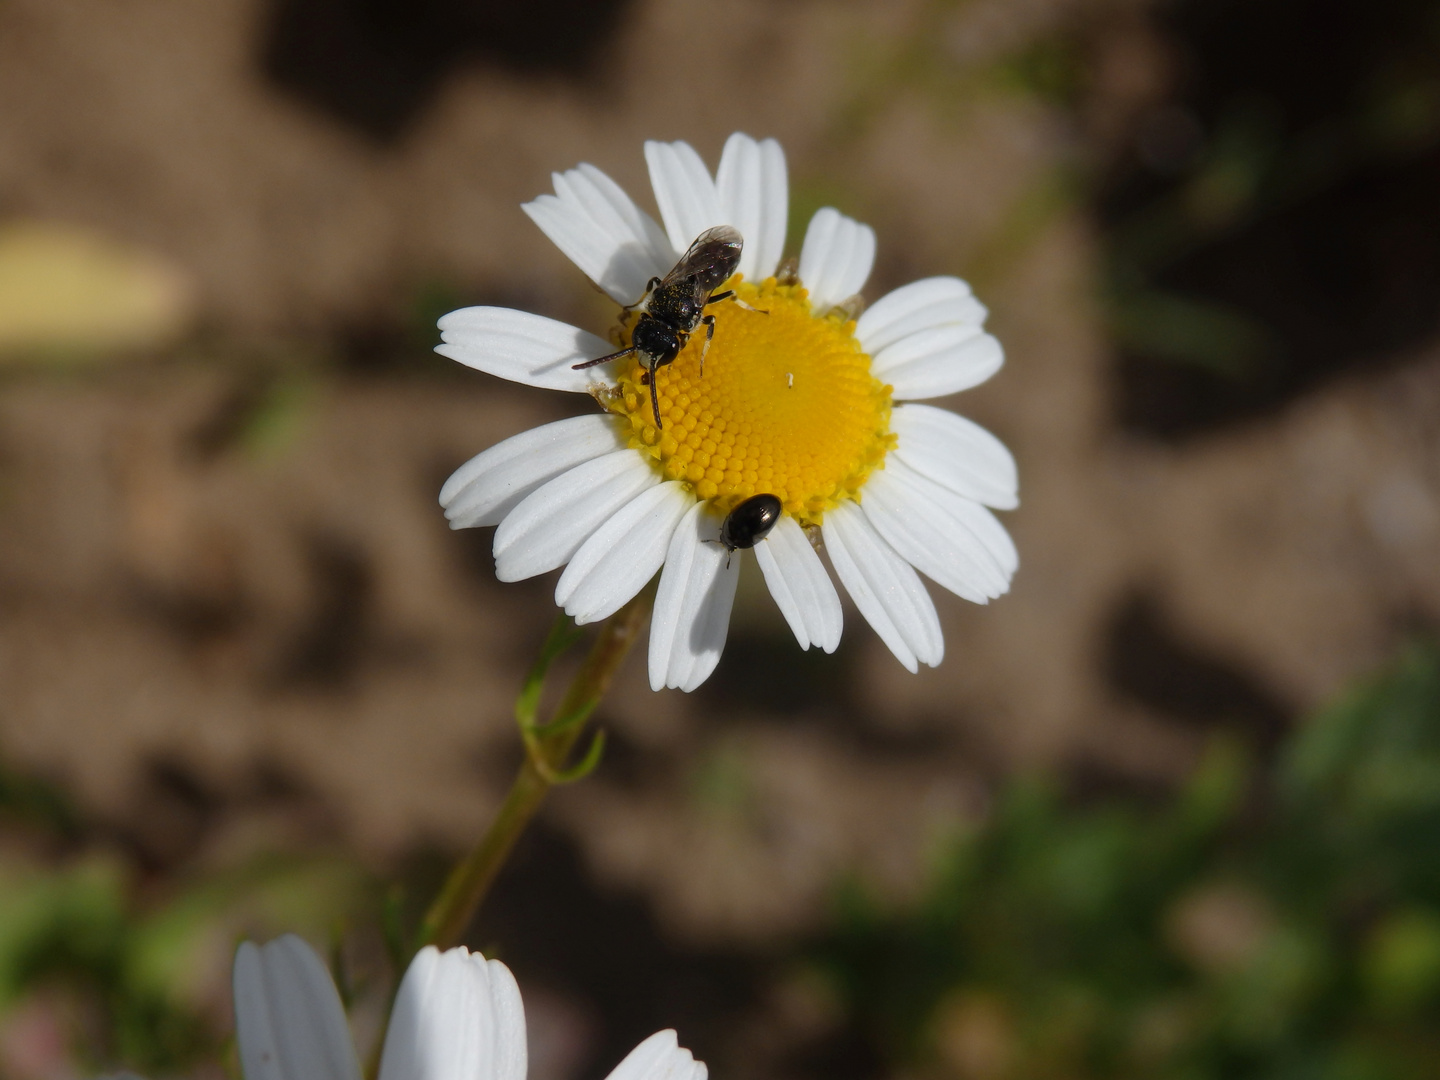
711, 259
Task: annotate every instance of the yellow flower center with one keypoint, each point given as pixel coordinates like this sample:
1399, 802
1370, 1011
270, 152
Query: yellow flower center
787, 405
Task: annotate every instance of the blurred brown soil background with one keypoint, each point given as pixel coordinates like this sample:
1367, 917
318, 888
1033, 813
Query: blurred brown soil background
232, 617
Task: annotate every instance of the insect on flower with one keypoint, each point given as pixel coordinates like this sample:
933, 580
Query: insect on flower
749, 523
674, 305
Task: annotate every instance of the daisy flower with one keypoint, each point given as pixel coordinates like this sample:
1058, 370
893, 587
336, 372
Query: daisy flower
798, 398
457, 1016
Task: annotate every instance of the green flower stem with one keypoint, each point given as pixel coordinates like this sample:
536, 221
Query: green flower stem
547, 751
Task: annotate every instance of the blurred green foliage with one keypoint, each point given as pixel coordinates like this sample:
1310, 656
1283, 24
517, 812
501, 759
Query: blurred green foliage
1279, 923
130, 979
102, 967
70, 933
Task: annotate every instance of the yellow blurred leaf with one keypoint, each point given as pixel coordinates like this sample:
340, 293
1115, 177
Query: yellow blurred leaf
66, 292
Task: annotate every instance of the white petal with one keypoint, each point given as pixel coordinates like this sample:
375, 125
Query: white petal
936, 531
692, 604
980, 522
957, 454
623, 554
550, 524
457, 1017
492, 483
836, 258
755, 197
802, 589
939, 361
523, 348
921, 305
688, 201
289, 1022
593, 221
884, 587
660, 1057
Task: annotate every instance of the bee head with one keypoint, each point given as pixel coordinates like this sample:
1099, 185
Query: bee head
655, 341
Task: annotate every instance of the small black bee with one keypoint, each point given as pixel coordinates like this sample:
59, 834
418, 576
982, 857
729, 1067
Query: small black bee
749, 523
674, 305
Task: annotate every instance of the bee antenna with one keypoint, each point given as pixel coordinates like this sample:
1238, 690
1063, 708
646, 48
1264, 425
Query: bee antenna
602, 359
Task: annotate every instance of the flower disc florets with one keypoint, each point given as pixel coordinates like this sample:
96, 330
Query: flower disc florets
787, 404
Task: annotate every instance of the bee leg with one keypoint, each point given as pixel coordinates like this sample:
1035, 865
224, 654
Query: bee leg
650, 287
603, 359
655, 399
709, 321
729, 294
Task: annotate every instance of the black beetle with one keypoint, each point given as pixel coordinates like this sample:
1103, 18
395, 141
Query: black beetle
750, 522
